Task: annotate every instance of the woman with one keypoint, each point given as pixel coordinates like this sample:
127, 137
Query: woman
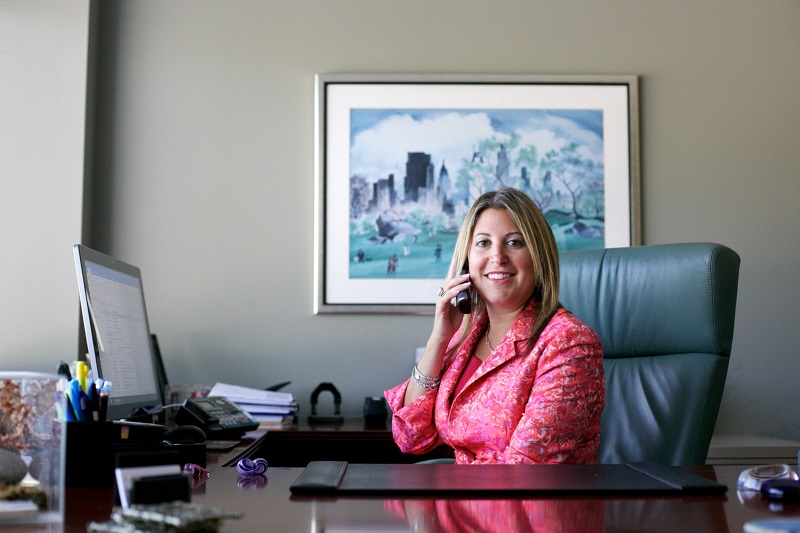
520, 379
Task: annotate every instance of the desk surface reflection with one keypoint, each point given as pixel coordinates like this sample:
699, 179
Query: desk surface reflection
268, 506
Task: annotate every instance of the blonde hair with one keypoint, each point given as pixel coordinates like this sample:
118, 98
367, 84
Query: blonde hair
538, 239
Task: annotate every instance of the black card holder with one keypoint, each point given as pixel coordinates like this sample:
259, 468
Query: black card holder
159, 489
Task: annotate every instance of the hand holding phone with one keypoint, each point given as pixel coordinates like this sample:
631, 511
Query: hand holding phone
464, 298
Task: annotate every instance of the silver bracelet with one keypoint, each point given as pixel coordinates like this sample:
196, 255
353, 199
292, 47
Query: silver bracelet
424, 381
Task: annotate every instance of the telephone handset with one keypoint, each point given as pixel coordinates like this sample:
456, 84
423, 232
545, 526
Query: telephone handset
464, 298
218, 417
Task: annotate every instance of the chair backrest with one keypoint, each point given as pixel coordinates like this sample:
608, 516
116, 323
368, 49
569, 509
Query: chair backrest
665, 315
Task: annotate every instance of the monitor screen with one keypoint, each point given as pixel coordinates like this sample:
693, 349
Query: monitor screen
117, 333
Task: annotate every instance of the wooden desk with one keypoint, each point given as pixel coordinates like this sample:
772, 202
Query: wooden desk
353, 442
269, 506
272, 508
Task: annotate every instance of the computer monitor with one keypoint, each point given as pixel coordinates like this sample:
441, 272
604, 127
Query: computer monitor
117, 333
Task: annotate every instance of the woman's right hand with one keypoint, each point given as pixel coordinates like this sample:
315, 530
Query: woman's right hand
446, 321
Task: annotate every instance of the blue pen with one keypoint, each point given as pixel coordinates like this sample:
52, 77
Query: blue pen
69, 411
86, 407
75, 397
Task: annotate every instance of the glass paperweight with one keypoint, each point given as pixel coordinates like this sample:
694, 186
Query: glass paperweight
31, 448
753, 478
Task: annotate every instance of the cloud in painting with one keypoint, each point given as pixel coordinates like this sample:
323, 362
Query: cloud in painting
383, 149
550, 131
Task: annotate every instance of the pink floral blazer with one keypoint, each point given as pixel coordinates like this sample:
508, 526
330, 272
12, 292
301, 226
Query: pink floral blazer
538, 407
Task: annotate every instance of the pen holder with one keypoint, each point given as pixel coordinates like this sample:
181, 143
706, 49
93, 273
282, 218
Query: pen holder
90, 454
95, 449
32, 446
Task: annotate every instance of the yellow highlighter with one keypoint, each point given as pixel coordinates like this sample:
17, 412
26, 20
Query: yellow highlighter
81, 371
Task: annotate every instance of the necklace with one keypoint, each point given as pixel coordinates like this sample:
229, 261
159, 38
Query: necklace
487, 340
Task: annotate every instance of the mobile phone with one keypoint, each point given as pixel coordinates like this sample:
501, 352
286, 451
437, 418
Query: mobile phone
464, 298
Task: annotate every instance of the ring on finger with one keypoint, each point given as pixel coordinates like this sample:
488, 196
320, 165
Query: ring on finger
441, 292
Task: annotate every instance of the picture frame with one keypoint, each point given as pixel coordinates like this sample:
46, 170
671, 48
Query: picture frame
400, 158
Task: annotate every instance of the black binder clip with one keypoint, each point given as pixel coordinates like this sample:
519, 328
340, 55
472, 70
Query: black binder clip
337, 419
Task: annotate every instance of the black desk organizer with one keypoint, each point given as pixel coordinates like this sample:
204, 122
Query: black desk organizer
337, 419
95, 449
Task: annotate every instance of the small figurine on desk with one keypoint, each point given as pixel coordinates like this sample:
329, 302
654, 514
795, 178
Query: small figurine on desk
255, 466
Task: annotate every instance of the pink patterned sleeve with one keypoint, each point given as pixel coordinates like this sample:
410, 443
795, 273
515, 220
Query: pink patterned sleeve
561, 422
413, 427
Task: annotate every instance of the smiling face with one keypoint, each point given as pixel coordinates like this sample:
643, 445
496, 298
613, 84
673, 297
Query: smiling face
500, 265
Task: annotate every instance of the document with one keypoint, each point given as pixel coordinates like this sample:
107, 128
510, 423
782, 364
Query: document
246, 395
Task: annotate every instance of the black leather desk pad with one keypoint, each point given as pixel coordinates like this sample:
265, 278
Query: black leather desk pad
338, 478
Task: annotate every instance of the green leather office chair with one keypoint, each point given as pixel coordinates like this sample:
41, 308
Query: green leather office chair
665, 315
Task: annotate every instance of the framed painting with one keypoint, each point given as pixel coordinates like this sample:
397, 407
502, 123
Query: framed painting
399, 160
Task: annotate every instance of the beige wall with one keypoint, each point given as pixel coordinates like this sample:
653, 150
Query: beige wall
204, 167
43, 58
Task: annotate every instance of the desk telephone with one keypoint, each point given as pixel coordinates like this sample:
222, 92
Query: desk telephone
218, 417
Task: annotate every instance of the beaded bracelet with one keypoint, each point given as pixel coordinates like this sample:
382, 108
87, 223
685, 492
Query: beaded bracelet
424, 381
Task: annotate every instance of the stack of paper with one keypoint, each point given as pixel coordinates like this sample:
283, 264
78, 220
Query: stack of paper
268, 407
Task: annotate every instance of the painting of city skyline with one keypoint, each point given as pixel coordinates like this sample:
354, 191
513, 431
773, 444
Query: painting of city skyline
400, 159
414, 173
